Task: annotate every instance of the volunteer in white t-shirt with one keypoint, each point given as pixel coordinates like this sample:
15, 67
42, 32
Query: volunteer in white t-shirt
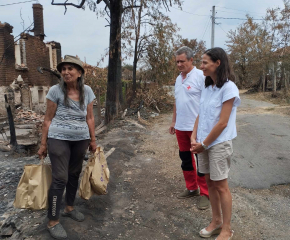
188, 88
214, 129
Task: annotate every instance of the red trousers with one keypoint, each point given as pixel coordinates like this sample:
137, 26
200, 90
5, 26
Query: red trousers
192, 178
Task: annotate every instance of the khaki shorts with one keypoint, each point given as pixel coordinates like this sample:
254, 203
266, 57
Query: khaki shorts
216, 161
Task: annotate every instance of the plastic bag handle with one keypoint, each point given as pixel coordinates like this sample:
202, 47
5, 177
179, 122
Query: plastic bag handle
41, 160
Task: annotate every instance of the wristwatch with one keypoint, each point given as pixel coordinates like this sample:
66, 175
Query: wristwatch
204, 146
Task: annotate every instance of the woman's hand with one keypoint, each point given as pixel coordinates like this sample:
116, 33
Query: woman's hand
42, 152
192, 142
93, 146
196, 148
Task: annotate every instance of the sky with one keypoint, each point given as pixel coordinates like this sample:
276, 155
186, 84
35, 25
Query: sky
83, 33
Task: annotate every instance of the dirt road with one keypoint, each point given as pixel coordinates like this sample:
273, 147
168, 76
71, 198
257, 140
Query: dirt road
146, 176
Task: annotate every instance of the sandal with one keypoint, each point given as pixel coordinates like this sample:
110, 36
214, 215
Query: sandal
75, 215
57, 231
230, 236
207, 234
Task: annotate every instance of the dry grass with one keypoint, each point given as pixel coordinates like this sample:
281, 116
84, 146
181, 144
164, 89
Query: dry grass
282, 97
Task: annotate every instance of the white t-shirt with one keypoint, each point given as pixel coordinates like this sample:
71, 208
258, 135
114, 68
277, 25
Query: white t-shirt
211, 102
187, 96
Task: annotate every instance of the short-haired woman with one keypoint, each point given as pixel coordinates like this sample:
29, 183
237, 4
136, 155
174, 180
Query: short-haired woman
214, 129
68, 130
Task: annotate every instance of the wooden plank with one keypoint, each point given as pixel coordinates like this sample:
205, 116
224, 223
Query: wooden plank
5, 148
109, 152
101, 125
141, 120
100, 130
124, 114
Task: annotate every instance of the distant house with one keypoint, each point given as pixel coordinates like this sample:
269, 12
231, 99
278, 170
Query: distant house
19, 60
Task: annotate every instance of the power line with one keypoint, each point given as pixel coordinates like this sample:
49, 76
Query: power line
14, 42
240, 18
222, 28
27, 29
238, 10
191, 13
16, 3
217, 17
206, 28
231, 12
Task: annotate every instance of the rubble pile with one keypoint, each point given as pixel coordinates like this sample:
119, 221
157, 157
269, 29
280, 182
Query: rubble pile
12, 222
10, 177
28, 116
28, 125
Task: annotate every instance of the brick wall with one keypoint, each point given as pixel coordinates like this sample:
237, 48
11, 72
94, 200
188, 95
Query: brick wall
38, 20
55, 53
38, 97
32, 53
57, 48
37, 54
7, 67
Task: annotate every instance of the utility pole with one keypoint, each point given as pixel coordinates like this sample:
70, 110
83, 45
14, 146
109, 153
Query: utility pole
212, 26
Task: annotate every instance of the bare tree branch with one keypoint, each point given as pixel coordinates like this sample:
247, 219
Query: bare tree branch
147, 14
129, 7
107, 2
152, 24
69, 4
108, 22
165, 4
107, 11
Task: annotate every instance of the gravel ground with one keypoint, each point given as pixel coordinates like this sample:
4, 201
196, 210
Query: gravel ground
146, 176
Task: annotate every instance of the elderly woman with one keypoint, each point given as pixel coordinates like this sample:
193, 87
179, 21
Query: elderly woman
214, 129
68, 130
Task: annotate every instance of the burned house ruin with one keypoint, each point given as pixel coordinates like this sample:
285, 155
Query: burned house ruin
19, 59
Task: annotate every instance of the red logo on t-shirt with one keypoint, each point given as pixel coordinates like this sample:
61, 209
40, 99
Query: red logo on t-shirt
188, 87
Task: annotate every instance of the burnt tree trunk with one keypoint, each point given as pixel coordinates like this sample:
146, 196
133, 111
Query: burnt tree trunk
134, 83
114, 77
135, 61
286, 80
264, 81
274, 79
13, 141
119, 77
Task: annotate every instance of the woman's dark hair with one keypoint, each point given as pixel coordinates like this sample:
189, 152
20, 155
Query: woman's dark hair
223, 71
80, 87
